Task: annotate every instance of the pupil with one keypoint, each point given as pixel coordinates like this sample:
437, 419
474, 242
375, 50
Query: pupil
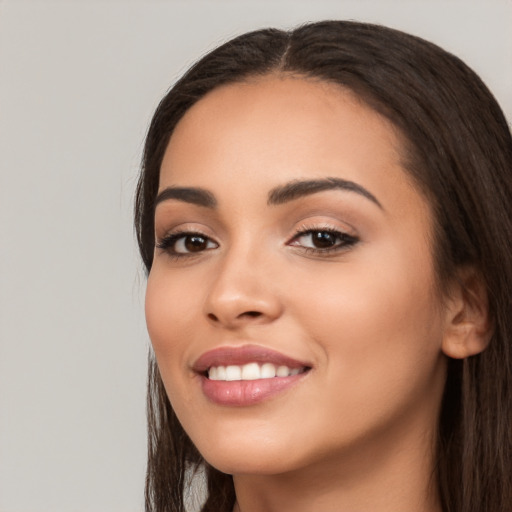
323, 239
195, 243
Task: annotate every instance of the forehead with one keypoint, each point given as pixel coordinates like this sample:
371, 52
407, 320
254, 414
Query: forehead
274, 129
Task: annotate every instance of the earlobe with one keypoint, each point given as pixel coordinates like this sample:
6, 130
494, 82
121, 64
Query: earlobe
468, 327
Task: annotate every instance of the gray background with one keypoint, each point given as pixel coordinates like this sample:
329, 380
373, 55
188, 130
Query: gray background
78, 83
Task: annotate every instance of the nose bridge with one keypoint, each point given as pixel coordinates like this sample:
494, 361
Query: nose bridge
241, 290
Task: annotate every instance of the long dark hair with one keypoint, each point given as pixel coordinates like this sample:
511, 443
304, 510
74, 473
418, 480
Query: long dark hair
459, 154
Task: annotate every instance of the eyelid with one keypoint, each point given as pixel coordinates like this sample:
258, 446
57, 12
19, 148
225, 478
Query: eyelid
167, 242
178, 226
178, 235
347, 238
173, 216
323, 224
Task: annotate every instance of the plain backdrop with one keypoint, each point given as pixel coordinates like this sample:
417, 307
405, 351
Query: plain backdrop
78, 83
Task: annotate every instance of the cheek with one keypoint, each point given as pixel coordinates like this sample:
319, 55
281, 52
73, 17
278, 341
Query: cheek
168, 308
380, 331
166, 302
379, 337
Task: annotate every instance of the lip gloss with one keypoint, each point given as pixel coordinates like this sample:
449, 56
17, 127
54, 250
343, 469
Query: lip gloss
239, 393
246, 392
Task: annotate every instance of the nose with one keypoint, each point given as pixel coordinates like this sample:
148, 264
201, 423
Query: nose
243, 292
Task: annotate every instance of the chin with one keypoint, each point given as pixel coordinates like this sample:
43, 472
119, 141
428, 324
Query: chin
247, 464
248, 454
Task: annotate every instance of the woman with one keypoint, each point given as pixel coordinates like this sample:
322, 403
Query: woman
325, 218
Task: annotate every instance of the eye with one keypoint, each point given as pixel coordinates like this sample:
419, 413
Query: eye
323, 240
180, 244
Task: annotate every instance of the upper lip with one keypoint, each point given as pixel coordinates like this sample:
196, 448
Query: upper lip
230, 355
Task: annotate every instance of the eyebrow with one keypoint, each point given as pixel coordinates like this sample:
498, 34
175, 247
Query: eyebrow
278, 195
193, 195
295, 189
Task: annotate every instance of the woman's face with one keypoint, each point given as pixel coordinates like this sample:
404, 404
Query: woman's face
290, 240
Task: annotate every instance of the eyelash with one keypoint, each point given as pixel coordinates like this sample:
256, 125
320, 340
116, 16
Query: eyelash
344, 241
168, 243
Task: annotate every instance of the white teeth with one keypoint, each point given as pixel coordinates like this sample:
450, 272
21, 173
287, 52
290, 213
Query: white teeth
250, 371
233, 373
221, 373
282, 371
268, 370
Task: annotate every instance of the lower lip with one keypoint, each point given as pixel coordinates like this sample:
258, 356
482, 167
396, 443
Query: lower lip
239, 393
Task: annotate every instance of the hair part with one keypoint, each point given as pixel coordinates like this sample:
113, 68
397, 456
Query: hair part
458, 151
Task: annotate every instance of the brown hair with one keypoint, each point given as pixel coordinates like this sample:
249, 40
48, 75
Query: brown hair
459, 152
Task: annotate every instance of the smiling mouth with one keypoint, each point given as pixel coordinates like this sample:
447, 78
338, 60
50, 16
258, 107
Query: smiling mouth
247, 375
252, 371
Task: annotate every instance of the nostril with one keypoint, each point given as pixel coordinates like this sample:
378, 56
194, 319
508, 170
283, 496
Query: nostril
252, 314
246, 315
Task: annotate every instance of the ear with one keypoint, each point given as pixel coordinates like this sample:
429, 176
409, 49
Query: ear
468, 326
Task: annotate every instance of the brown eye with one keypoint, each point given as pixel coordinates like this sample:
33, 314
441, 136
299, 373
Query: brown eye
181, 244
194, 243
323, 239
319, 239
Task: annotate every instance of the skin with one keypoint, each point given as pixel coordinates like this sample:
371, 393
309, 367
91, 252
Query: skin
357, 432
